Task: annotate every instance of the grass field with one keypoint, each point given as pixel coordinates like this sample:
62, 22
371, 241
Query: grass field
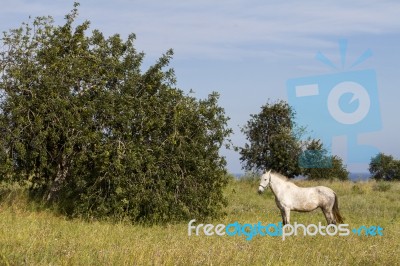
38, 237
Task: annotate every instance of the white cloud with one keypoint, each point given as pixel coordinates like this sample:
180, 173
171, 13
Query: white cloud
226, 29
220, 29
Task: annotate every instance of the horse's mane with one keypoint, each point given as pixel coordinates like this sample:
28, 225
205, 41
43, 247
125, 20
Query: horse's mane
280, 176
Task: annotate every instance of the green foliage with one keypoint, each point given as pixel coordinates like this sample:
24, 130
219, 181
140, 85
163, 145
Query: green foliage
384, 167
94, 135
329, 167
382, 186
272, 140
337, 170
357, 189
274, 143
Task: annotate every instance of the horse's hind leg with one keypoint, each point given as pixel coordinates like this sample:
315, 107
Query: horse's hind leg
329, 216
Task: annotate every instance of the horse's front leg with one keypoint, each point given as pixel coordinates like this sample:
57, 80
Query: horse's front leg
285, 212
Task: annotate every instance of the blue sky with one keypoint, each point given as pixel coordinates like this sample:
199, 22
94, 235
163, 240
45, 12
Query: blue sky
248, 50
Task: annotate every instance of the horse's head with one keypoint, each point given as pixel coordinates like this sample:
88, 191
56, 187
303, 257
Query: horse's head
264, 182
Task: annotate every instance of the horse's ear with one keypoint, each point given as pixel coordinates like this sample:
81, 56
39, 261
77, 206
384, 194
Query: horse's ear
268, 171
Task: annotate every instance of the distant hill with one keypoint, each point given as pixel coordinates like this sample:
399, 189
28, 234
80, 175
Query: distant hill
359, 176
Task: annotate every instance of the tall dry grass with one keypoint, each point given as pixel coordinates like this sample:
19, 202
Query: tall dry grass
30, 235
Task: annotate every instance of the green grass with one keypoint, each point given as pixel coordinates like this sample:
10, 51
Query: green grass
31, 236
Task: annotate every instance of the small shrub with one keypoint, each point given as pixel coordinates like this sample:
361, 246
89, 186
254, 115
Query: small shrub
357, 189
382, 186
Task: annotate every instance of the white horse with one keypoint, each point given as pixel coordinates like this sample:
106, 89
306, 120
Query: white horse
289, 197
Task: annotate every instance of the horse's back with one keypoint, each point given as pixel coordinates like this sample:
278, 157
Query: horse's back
325, 190
319, 196
315, 190
326, 196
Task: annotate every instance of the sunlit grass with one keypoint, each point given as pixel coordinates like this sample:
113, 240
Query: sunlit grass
33, 236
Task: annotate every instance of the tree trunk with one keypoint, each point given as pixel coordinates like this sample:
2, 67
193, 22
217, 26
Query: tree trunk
59, 181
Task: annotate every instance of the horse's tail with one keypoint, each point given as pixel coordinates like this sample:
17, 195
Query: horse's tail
335, 211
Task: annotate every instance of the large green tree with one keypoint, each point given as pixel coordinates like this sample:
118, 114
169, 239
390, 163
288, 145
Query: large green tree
384, 167
316, 163
273, 142
92, 133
